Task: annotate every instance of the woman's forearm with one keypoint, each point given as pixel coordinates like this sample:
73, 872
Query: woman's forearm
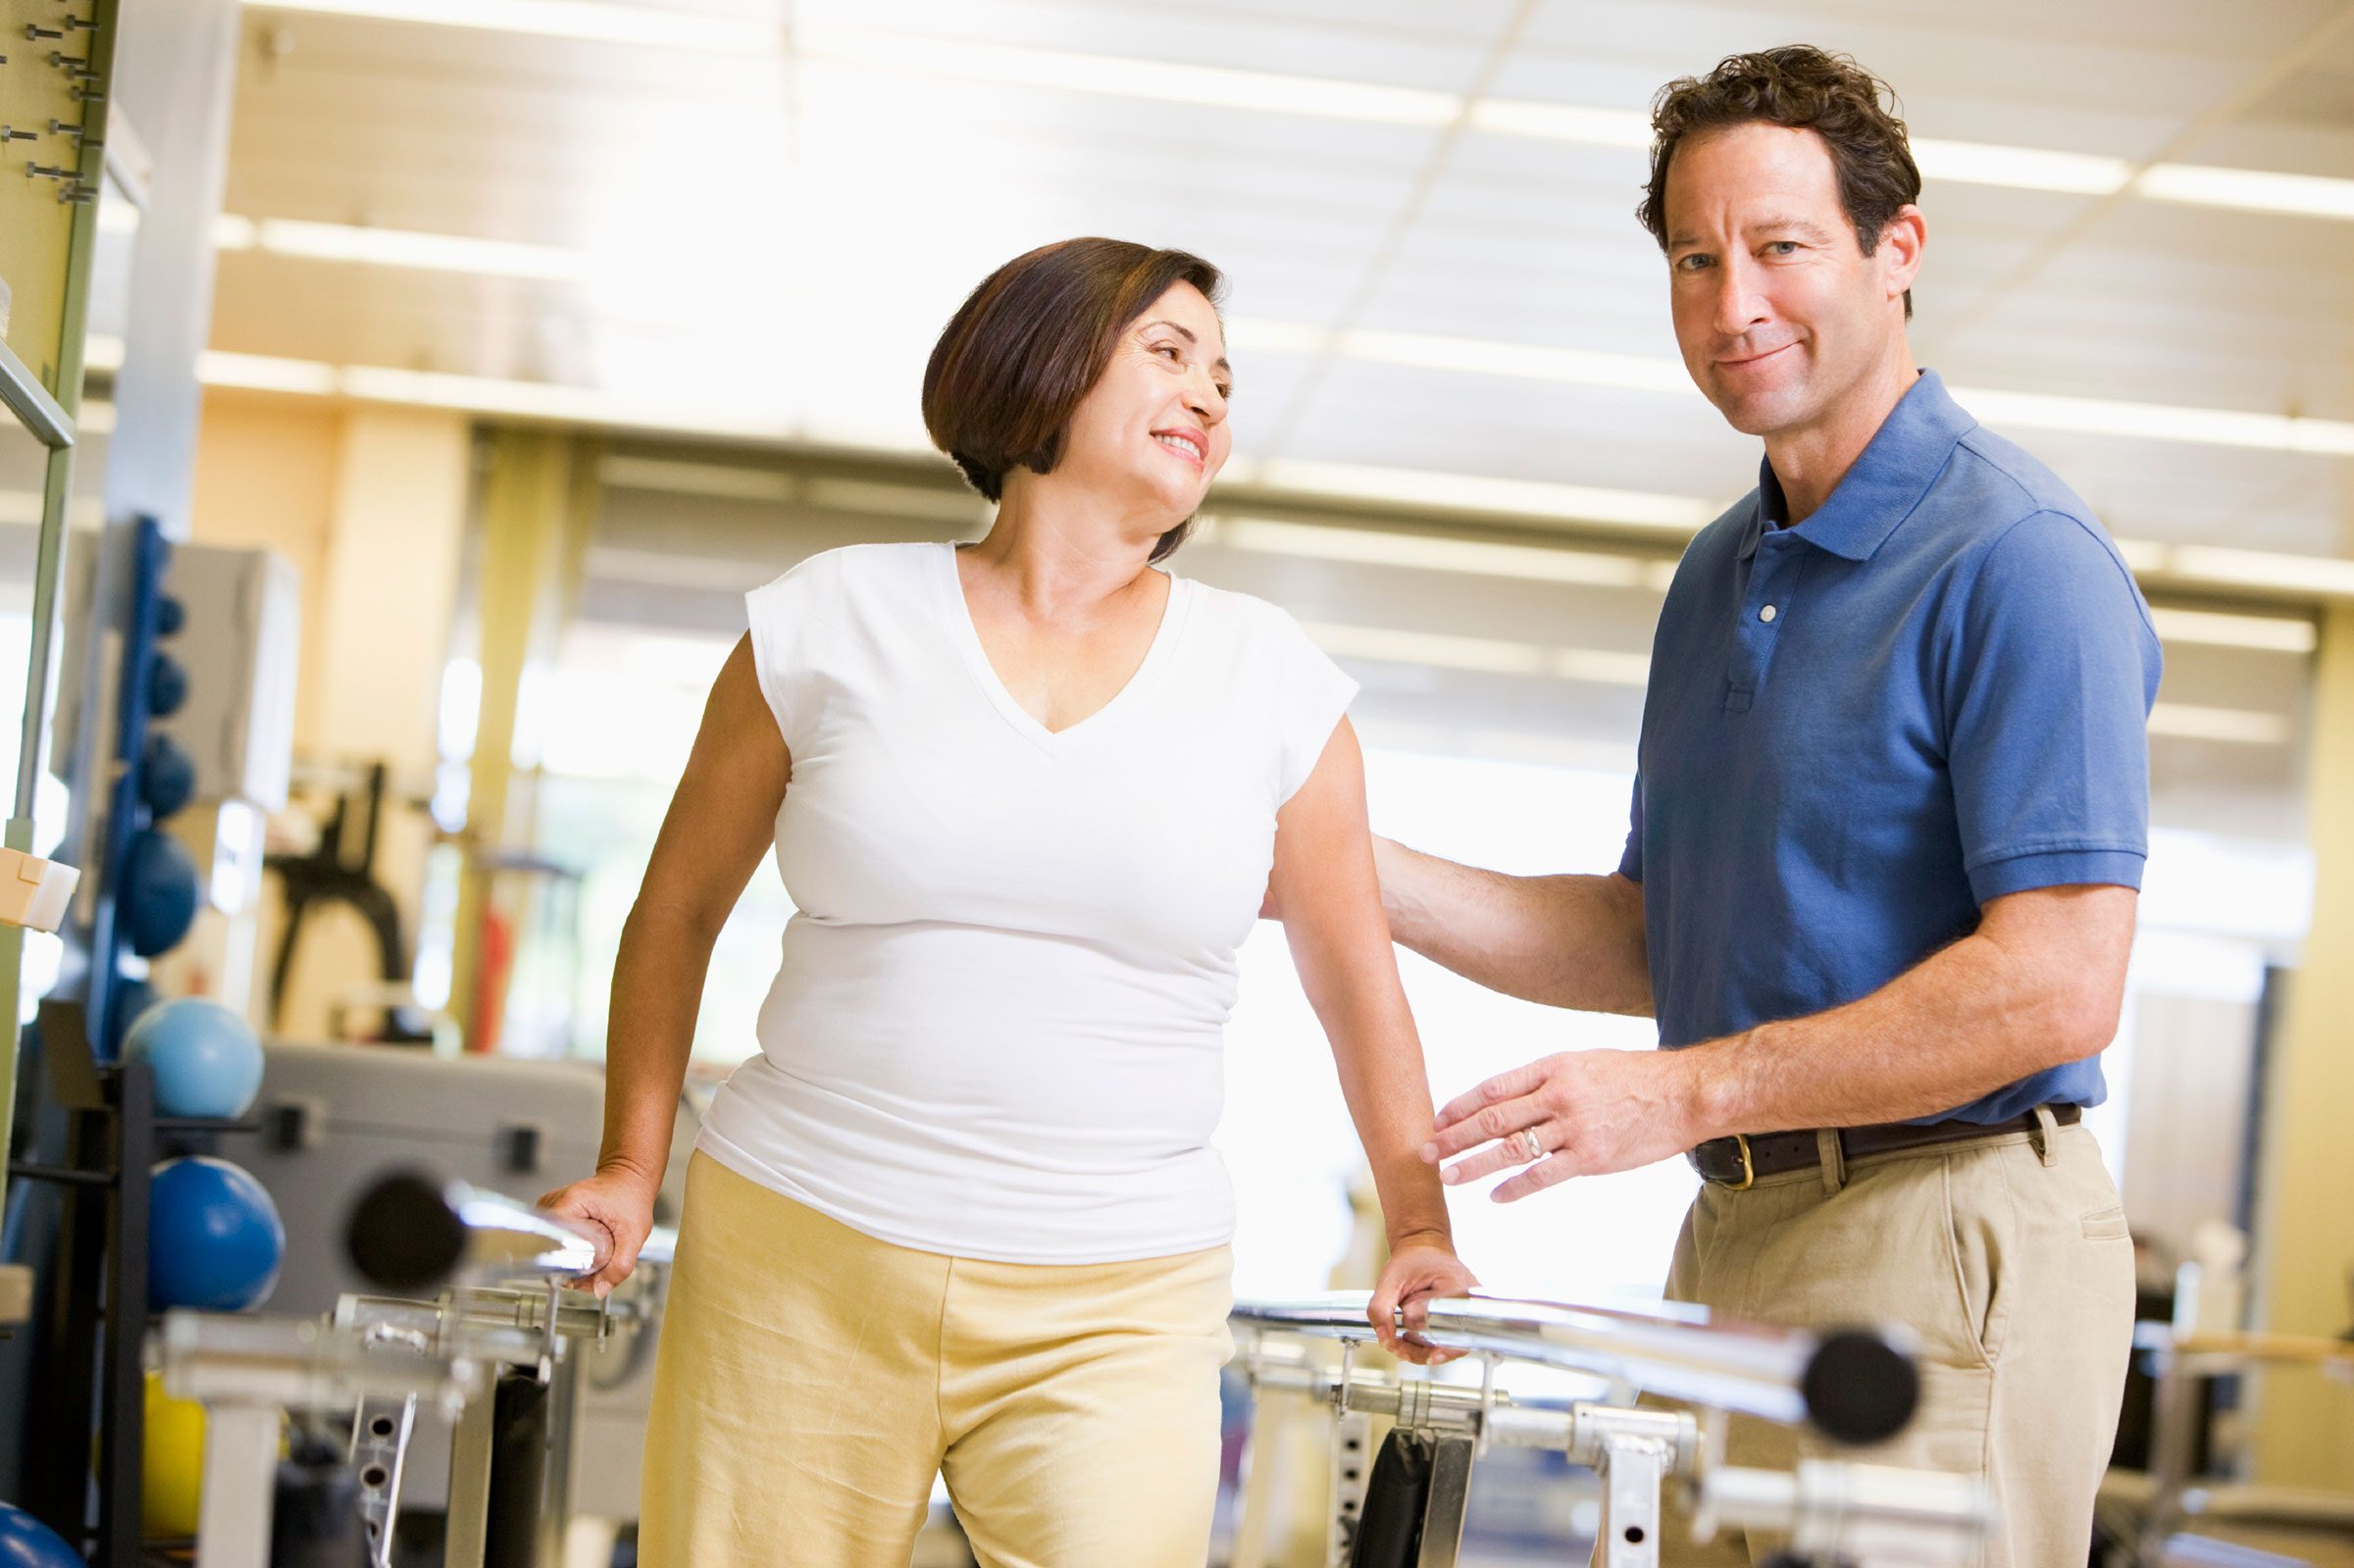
658, 991
1379, 1060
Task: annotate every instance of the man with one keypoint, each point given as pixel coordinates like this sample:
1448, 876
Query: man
1888, 826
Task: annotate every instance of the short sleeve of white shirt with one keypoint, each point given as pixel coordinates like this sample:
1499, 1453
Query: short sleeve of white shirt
1316, 696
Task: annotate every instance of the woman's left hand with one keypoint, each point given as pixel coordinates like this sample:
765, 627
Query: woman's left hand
1418, 1270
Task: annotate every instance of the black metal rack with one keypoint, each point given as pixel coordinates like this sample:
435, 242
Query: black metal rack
91, 1387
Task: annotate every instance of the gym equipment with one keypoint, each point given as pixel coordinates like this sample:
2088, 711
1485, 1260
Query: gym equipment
26, 1542
167, 686
88, 1389
172, 1472
2164, 1506
507, 1361
330, 873
1855, 1385
206, 1058
160, 893
335, 1120
169, 781
215, 1241
410, 1232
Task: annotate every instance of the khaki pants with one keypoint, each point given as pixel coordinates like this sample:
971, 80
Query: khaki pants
2006, 1256
811, 1381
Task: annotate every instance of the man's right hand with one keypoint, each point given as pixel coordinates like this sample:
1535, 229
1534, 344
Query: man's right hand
621, 1204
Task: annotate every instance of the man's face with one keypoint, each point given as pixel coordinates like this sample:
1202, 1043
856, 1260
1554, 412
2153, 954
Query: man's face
1779, 312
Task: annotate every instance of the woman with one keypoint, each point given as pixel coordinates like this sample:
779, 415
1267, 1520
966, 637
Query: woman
961, 1214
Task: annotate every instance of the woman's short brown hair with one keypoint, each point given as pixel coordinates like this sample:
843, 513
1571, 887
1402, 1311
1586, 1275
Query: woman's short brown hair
1800, 86
1024, 348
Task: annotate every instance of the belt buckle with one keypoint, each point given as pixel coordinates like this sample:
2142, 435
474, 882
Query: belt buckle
1749, 1172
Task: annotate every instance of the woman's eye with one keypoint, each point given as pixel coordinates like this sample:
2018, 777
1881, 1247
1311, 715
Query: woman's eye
1169, 349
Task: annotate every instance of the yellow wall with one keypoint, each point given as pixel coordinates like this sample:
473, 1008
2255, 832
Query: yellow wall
2305, 1248
370, 506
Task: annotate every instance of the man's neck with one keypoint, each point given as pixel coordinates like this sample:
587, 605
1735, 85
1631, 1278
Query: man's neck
1809, 461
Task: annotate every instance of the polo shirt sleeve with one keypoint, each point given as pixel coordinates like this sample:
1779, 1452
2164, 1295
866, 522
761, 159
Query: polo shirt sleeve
2048, 693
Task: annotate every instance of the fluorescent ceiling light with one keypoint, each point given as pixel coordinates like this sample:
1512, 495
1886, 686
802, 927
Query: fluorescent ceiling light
2236, 726
1170, 82
1481, 655
2248, 190
2273, 634
1426, 552
1643, 372
1980, 163
1480, 492
2262, 569
1562, 121
396, 247
641, 26
2160, 422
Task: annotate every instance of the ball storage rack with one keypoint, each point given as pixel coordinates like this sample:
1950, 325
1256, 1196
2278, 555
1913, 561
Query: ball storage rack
91, 1393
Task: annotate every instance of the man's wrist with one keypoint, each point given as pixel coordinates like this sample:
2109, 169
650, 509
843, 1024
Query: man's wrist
1710, 1096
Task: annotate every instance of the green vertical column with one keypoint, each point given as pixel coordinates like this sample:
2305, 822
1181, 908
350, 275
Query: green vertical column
536, 505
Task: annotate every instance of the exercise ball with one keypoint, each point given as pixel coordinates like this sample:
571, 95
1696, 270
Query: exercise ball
158, 901
207, 1061
167, 776
170, 615
213, 1238
172, 1469
167, 685
26, 1542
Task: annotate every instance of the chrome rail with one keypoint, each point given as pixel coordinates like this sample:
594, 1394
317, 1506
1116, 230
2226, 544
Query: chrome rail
411, 1234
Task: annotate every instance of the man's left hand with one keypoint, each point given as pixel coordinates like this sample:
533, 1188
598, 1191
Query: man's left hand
1592, 1113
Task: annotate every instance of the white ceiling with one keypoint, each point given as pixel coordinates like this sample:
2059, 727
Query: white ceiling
770, 235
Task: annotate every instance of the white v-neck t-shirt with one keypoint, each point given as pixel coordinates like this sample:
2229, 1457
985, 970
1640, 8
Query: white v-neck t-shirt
997, 1030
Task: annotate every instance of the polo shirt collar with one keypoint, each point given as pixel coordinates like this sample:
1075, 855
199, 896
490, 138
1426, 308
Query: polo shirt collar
1905, 455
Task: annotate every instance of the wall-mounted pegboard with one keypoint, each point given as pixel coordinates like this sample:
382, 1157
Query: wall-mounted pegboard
54, 66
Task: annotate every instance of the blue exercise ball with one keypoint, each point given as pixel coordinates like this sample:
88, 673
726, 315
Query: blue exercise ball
207, 1061
158, 901
167, 776
170, 615
167, 685
213, 1238
26, 1542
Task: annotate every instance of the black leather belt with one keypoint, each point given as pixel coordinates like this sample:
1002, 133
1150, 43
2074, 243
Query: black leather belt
1738, 1161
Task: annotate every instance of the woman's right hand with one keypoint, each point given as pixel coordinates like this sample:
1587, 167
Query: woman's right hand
621, 1204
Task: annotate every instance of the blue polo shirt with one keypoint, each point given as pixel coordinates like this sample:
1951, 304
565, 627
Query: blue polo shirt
1930, 693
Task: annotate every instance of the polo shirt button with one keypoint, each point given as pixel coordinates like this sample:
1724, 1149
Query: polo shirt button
1767, 615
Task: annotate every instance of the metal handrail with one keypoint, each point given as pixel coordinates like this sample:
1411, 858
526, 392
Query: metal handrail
411, 1232
1856, 1385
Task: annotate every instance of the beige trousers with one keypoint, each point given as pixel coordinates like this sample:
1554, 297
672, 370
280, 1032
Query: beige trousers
2006, 1256
811, 1381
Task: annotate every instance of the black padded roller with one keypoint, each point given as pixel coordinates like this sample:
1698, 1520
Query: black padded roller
404, 1237
1859, 1388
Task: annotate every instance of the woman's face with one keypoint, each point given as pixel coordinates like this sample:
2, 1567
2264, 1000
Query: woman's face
1152, 428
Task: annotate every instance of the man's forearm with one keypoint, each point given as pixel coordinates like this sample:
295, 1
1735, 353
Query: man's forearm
1567, 941
2017, 998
